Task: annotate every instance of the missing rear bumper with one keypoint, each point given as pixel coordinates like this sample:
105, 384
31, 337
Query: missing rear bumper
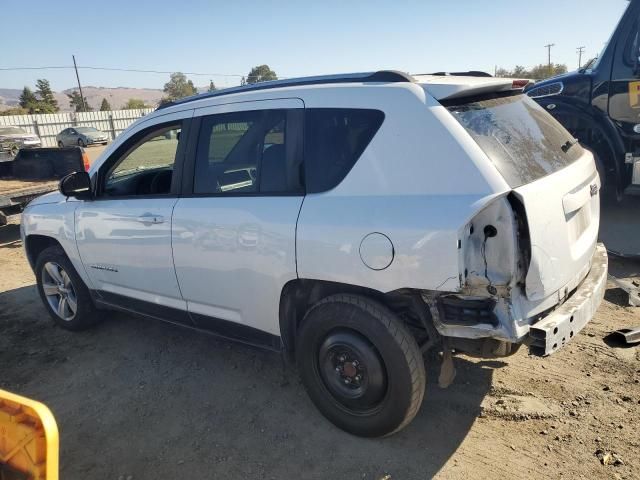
560, 326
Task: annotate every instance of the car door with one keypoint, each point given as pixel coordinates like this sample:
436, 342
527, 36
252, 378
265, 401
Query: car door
234, 234
124, 235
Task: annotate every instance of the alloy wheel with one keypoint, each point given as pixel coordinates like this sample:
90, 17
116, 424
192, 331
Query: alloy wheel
59, 291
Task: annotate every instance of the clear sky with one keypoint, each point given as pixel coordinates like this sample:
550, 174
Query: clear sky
293, 37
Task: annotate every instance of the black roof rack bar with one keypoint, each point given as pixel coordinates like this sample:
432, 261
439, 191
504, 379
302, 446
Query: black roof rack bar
470, 73
382, 76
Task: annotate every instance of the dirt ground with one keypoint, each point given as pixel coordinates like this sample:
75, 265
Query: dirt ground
138, 399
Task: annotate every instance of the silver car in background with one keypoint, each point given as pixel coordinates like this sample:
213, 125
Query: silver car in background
81, 136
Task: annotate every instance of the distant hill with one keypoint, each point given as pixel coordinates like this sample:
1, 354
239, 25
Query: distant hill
117, 97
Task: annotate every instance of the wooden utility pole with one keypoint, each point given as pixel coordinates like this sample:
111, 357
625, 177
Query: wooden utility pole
580, 51
548, 47
84, 107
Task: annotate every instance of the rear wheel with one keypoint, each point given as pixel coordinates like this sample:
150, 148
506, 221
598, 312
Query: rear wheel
64, 294
360, 365
60, 144
81, 143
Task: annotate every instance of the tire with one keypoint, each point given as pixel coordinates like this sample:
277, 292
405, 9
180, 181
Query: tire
81, 143
65, 284
60, 144
360, 365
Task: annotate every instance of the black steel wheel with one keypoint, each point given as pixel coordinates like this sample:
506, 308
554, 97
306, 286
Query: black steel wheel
352, 371
360, 365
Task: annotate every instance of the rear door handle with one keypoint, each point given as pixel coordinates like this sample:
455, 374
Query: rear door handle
149, 219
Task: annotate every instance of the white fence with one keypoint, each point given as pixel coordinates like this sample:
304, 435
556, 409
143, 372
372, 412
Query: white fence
48, 125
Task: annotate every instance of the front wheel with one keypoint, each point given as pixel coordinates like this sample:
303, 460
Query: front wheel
60, 144
360, 365
64, 294
81, 143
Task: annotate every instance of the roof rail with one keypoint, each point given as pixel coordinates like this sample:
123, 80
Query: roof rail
470, 73
382, 76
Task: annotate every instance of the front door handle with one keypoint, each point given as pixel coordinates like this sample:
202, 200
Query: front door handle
149, 219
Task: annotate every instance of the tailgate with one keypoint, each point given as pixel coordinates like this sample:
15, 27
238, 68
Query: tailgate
563, 211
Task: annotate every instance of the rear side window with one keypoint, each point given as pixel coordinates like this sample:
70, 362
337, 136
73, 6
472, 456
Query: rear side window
522, 140
334, 140
246, 152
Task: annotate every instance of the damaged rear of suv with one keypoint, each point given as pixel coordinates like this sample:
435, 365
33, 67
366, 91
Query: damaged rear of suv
530, 268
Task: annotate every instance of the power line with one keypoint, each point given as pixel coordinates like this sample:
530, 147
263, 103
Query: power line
33, 68
161, 71
53, 67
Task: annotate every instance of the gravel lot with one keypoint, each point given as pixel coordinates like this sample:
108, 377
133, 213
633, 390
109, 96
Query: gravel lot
137, 399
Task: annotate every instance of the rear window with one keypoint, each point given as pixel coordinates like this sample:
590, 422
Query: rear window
522, 140
334, 140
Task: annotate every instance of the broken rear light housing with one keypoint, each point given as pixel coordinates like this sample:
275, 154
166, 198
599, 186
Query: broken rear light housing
467, 311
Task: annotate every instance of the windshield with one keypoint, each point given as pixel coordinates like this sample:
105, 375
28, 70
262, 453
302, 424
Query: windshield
11, 131
87, 130
520, 138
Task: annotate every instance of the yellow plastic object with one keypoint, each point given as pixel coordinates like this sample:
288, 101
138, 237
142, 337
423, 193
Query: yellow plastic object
28, 439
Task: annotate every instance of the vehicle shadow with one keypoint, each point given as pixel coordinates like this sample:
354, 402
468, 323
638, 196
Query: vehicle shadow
162, 401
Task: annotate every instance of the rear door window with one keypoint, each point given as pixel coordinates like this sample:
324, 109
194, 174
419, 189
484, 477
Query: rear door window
334, 140
522, 140
244, 153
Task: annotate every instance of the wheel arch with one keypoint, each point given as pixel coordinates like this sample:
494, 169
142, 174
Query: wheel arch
298, 295
35, 244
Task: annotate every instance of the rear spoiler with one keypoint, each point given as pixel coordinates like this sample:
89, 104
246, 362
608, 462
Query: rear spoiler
451, 86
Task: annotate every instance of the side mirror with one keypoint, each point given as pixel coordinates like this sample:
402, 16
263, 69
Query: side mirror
77, 185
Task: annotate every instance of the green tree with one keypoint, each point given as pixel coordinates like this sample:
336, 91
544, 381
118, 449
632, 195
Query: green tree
261, 73
178, 87
28, 100
545, 71
212, 86
538, 72
134, 104
519, 71
47, 102
75, 102
104, 106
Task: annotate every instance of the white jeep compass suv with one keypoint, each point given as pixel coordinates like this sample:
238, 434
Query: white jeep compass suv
351, 222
